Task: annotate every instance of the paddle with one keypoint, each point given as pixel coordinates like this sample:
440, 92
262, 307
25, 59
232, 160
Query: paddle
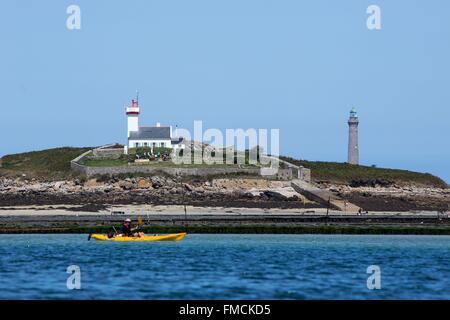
139, 223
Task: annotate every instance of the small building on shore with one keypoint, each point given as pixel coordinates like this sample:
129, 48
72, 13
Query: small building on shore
156, 136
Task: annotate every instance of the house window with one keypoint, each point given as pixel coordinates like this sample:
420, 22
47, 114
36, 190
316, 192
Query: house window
145, 144
136, 144
154, 144
163, 144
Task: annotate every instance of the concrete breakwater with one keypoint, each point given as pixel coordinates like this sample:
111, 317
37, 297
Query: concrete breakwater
230, 223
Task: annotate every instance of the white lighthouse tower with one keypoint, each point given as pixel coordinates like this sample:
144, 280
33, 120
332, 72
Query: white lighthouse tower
133, 116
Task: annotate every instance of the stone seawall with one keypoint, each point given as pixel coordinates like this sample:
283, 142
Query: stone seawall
90, 171
107, 153
291, 172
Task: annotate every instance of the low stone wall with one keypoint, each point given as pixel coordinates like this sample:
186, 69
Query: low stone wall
292, 171
284, 174
277, 173
289, 173
304, 174
75, 166
75, 161
107, 153
206, 171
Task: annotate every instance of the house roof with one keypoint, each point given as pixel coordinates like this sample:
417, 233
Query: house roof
150, 133
177, 140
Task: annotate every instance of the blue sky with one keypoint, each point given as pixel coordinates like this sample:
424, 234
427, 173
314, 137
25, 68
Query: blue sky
299, 66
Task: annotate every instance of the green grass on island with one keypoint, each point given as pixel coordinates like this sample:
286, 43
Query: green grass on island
344, 173
53, 164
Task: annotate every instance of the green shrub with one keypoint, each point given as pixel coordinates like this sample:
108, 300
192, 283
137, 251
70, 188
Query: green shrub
50, 164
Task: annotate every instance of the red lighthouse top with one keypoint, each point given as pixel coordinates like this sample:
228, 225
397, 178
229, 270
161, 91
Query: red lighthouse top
134, 108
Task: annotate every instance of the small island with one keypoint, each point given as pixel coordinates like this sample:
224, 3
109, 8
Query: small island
45, 191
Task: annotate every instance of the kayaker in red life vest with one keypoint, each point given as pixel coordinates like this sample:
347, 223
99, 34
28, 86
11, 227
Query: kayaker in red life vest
126, 228
127, 231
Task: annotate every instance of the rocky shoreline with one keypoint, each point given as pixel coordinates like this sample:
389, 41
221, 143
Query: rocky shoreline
94, 195
396, 198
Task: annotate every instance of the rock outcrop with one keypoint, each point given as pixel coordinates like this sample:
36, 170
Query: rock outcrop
153, 190
236, 192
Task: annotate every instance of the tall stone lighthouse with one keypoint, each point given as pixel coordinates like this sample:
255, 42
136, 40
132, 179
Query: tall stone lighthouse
353, 150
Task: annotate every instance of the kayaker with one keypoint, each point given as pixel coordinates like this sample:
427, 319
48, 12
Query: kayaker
126, 228
128, 231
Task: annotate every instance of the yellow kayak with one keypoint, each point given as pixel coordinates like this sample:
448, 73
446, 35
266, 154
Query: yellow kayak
165, 237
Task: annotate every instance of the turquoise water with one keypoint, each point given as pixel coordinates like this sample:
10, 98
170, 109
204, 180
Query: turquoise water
226, 267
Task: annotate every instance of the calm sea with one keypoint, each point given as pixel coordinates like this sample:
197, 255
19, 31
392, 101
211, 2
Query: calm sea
227, 267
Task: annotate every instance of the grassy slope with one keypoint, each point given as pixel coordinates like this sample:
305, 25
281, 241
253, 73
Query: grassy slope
345, 173
54, 164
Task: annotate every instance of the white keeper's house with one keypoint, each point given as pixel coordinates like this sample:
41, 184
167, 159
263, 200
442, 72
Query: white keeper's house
149, 136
